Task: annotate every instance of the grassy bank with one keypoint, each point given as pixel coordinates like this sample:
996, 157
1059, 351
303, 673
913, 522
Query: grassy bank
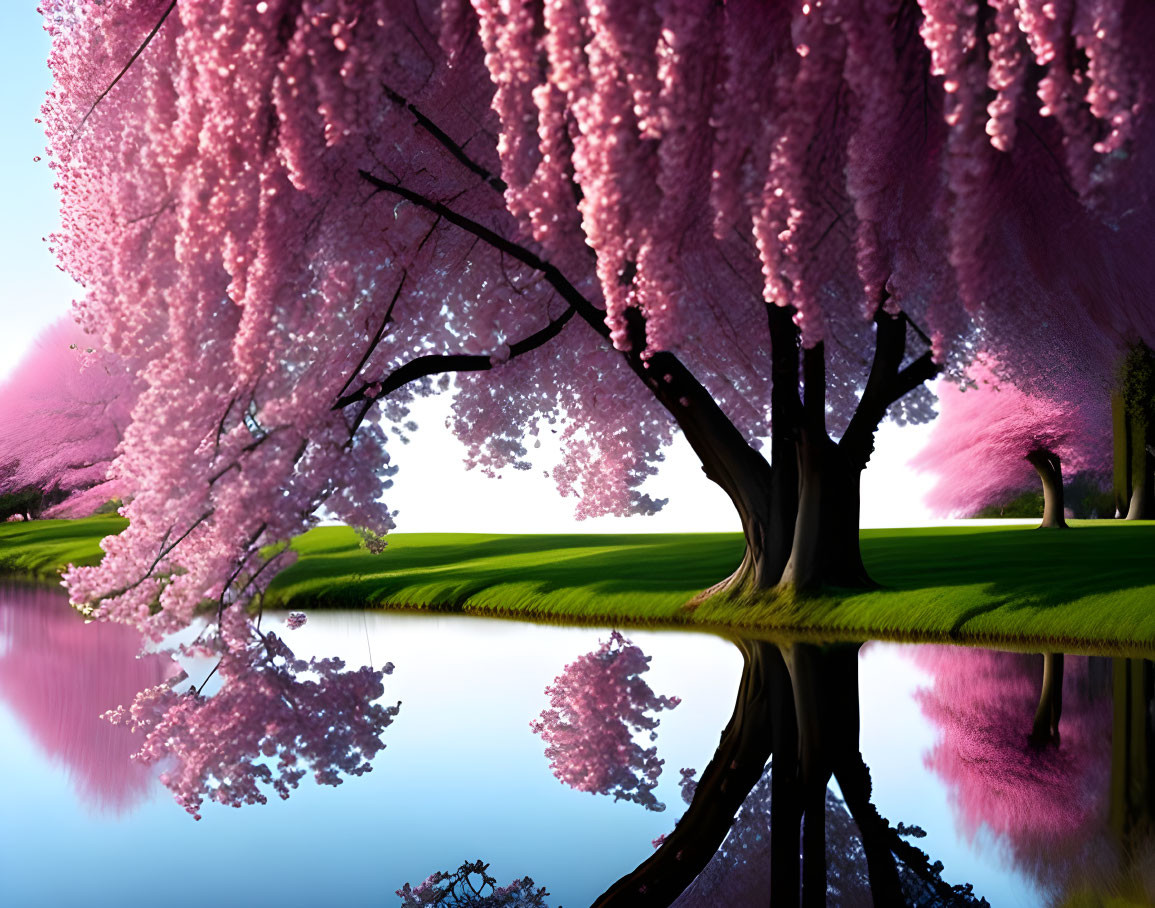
1089, 589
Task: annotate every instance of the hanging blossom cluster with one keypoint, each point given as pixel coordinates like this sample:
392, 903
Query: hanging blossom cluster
274, 719
460, 890
597, 706
986, 429
810, 128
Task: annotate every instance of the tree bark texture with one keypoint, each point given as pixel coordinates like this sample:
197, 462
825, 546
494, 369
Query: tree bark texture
1050, 471
1133, 427
1142, 440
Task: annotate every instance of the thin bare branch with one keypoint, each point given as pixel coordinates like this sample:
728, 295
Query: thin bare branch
120, 75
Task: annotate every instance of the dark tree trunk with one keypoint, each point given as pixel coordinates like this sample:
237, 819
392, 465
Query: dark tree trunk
1050, 471
1045, 729
825, 549
1142, 439
1133, 425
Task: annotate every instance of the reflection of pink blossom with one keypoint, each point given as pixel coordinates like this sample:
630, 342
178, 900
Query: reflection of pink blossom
296, 620
58, 675
983, 703
309, 715
598, 704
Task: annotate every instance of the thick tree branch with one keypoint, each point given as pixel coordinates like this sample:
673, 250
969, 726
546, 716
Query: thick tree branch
921, 370
885, 384
437, 363
726, 456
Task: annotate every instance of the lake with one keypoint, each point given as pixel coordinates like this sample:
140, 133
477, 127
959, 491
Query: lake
961, 743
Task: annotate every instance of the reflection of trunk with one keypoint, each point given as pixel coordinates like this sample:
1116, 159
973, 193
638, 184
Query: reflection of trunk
735, 769
1045, 729
1050, 471
801, 702
1132, 809
825, 682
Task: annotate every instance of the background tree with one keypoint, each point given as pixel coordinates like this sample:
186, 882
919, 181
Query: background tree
598, 705
732, 220
1133, 415
63, 414
990, 435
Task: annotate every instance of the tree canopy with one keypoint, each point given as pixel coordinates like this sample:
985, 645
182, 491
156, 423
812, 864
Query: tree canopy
742, 220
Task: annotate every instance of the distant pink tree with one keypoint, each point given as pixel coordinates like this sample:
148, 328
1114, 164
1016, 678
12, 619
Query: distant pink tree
63, 414
58, 675
307, 715
990, 436
597, 707
1044, 801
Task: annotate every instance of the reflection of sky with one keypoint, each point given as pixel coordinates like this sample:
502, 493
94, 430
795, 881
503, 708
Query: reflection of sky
462, 777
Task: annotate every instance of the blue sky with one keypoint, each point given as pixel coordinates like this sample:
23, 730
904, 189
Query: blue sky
35, 292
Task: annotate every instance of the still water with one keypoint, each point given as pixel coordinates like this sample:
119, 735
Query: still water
960, 743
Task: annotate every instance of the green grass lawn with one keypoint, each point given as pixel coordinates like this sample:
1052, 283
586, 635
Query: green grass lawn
1088, 589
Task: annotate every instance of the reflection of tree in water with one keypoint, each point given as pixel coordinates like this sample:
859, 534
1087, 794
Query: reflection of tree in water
470, 886
58, 675
597, 705
309, 715
792, 839
1056, 764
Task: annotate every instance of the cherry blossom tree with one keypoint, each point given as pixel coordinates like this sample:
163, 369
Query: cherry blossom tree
64, 413
990, 435
740, 223
58, 676
309, 715
598, 704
